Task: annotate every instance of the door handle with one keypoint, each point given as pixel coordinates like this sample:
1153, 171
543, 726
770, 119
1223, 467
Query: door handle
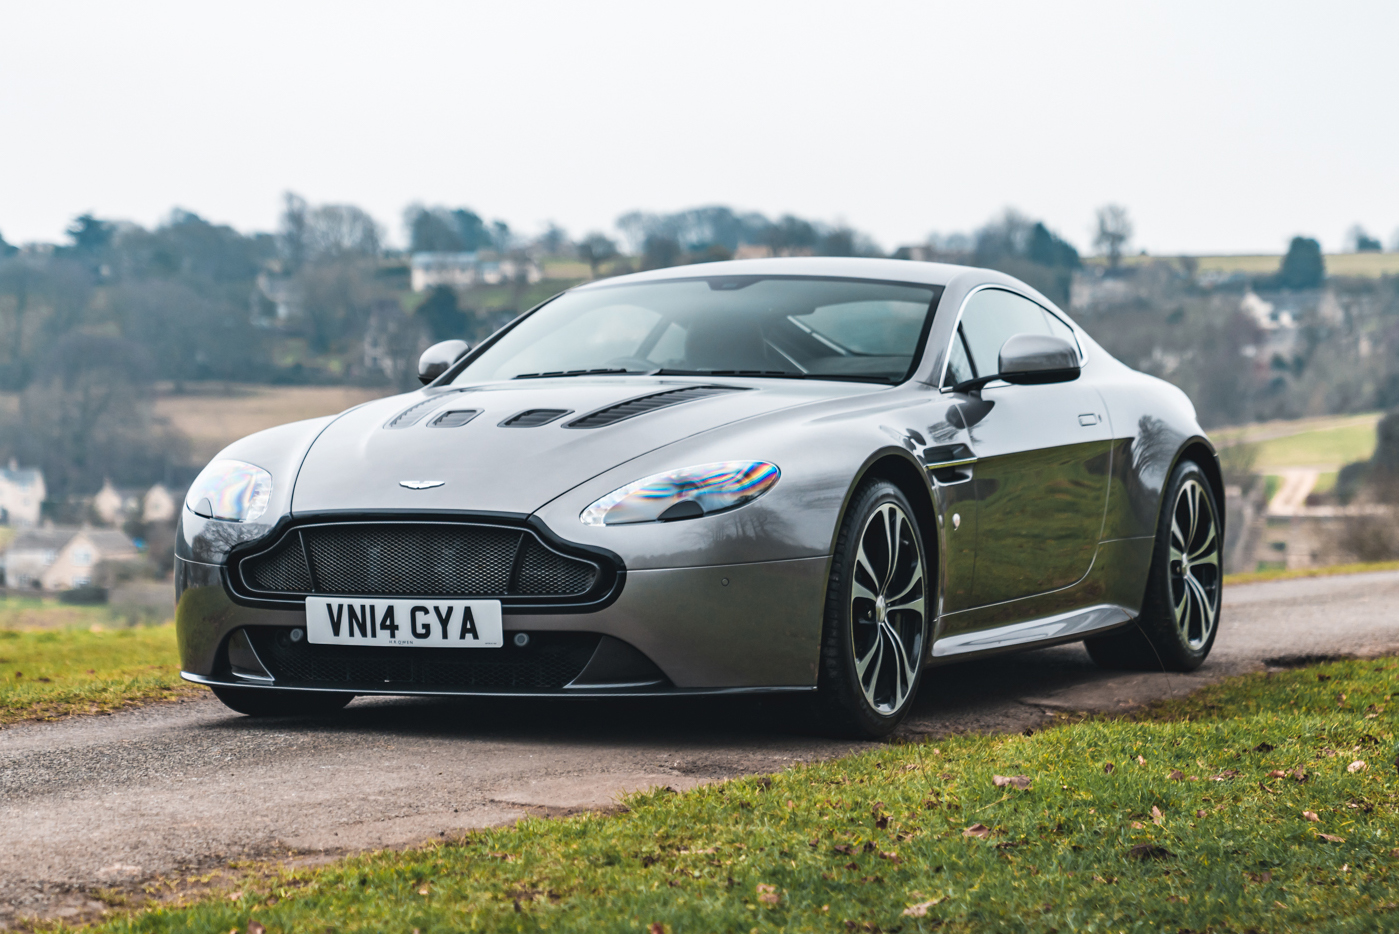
1088, 420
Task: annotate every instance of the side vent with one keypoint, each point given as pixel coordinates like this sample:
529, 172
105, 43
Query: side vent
640, 406
533, 418
411, 415
454, 418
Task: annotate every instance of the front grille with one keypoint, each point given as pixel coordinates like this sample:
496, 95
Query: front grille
418, 559
551, 660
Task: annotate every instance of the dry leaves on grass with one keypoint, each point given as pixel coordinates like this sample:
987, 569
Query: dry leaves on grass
1310, 815
256, 928
1149, 851
1157, 817
1018, 781
1175, 775
1358, 765
977, 830
1331, 838
767, 894
920, 910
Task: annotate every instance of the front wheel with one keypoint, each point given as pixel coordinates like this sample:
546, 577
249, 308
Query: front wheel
1180, 614
876, 624
271, 702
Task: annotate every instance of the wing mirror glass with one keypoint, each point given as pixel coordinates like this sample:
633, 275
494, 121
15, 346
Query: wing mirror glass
438, 359
1029, 359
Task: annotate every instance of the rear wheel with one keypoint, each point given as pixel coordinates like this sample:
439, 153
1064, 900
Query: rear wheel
271, 702
876, 624
1180, 615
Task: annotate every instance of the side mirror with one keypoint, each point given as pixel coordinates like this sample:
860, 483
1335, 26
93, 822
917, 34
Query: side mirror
1028, 359
438, 359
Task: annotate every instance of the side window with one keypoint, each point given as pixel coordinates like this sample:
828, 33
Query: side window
993, 316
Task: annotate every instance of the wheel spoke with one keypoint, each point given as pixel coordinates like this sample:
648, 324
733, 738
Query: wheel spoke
862, 563
891, 537
1206, 606
915, 581
1196, 554
859, 591
862, 664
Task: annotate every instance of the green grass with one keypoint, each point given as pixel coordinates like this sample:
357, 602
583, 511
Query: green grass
1108, 837
1284, 573
1271, 484
1332, 447
52, 673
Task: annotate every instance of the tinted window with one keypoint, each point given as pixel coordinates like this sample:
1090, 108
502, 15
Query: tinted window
993, 316
789, 326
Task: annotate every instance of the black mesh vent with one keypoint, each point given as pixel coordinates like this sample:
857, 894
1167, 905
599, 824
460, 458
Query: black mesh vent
552, 660
454, 418
533, 418
283, 569
547, 572
414, 559
634, 407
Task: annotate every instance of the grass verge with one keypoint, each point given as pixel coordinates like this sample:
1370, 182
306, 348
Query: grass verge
52, 673
1264, 803
1277, 574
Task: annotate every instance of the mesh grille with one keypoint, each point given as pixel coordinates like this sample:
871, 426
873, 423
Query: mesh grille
547, 572
410, 415
551, 661
533, 418
281, 570
634, 407
426, 559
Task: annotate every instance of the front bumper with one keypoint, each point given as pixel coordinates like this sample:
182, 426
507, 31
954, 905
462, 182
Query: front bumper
720, 629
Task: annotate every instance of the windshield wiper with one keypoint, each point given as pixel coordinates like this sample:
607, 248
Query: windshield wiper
598, 371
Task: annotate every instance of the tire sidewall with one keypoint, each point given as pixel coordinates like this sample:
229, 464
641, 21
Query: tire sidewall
1159, 614
837, 680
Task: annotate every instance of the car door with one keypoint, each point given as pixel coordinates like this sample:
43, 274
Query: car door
1040, 476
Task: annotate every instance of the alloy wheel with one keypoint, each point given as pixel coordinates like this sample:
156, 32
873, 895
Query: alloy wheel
888, 609
1194, 567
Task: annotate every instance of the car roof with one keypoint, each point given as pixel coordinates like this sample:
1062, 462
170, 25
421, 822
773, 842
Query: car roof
850, 267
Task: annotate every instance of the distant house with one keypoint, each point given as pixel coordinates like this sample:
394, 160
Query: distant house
463, 270
22, 494
61, 558
114, 505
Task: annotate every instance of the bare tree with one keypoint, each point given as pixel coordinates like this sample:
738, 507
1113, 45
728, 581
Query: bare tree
1114, 232
596, 250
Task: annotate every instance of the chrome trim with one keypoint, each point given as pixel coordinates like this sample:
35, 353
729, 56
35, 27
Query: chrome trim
1075, 622
960, 462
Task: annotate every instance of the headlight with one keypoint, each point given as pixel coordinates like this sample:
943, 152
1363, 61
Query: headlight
231, 490
686, 493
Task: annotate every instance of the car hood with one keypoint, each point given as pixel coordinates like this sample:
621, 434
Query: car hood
359, 462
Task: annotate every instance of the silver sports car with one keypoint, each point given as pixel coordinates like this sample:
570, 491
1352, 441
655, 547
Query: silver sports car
787, 475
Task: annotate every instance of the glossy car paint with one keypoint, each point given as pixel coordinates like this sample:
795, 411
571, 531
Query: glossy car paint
1040, 521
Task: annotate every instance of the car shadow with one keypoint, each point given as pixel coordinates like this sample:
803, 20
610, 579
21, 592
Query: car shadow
977, 696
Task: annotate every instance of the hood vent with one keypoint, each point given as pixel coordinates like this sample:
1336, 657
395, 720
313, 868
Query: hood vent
533, 418
414, 413
454, 418
640, 406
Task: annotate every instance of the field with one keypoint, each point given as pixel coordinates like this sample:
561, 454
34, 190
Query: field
213, 415
1328, 442
1262, 804
1362, 265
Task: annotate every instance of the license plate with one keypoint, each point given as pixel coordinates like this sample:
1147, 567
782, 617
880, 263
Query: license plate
457, 624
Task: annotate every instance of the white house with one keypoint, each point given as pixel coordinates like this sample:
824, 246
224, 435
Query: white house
463, 270
59, 558
22, 494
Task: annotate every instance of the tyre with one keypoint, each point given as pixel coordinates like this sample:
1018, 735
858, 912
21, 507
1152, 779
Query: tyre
1180, 613
875, 631
270, 702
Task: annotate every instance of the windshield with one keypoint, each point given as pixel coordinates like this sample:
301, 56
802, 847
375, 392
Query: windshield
751, 326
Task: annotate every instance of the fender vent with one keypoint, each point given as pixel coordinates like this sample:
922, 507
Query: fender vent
640, 406
533, 418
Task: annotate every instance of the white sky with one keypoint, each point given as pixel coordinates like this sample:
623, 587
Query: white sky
1222, 126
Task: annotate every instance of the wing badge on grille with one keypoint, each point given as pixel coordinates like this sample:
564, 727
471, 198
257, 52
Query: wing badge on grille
420, 484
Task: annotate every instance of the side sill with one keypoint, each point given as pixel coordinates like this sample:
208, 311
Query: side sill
1061, 627
590, 691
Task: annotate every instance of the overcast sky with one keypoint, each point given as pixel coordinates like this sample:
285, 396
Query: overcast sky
1221, 126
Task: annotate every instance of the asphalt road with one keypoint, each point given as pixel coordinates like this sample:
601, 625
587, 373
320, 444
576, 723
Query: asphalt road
95, 803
